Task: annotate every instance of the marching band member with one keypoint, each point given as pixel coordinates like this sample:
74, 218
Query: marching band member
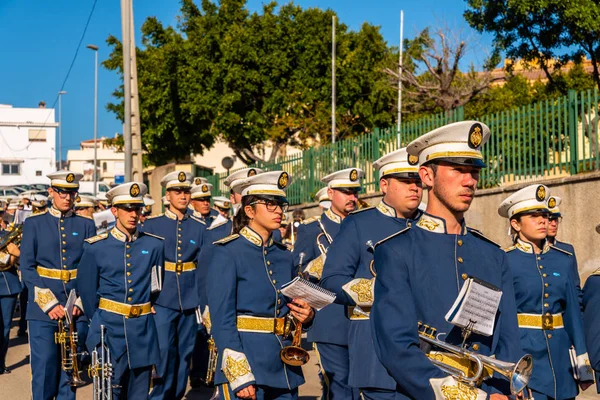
85, 206
549, 314
52, 245
420, 271
115, 281
329, 331
248, 311
222, 205
233, 179
9, 293
554, 220
348, 271
146, 210
323, 199
201, 195
176, 304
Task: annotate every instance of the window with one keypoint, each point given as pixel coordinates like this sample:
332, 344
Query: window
104, 166
11, 169
38, 173
37, 135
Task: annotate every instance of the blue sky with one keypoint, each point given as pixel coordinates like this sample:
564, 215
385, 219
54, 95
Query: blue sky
39, 39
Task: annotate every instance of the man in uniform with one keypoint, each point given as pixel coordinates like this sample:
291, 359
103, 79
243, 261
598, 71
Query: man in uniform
222, 205
119, 277
348, 269
329, 332
176, 305
420, 271
146, 210
10, 287
201, 195
85, 206
51, 249
553, 223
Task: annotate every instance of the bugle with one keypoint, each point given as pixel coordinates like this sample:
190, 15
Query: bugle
518, 373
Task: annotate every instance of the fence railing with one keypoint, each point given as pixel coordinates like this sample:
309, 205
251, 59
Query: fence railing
552, 138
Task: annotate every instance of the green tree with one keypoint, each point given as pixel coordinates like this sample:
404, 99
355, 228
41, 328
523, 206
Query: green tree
542, 33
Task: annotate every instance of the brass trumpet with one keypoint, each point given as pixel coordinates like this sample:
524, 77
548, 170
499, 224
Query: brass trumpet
212, 361
67, 338
13, 235
518, 373
294, 354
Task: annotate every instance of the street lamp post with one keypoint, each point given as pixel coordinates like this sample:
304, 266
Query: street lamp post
95, 49
60, 128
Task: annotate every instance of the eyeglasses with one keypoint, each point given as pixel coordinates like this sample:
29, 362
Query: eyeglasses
555, 219
272, 205
64, 193
536, 215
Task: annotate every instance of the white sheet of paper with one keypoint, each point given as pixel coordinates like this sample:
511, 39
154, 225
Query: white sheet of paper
220, 219
69, 305
156, 285
315, 296
477, 304
104, 221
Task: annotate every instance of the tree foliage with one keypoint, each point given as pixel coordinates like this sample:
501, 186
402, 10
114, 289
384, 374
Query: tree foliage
543, 33
253, 78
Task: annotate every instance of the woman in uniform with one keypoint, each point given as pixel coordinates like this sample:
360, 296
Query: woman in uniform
549, 316
245, 273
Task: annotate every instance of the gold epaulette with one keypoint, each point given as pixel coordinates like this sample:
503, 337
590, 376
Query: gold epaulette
37, 214
564, 251
217, 225
97, 238
197, 219
481, 236
154, 216
310, 220
154, 236
361, 210
509, 249
392, 236
227, 239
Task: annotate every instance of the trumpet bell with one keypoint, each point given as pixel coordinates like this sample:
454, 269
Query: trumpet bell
519, 377
294, 356
76, 381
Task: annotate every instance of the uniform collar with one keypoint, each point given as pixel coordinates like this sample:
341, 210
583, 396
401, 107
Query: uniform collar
58, 214
171, 215
121, 237
436, 224
527, 247
333, 216
386, 210
254, 237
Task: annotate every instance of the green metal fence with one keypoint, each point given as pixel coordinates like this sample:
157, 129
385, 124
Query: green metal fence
552, 138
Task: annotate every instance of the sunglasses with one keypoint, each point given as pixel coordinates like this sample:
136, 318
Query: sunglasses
555, 219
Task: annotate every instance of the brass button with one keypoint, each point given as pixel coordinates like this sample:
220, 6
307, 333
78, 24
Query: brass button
128, 247
278, 301
179, 260
279, 292
130, 290
64, 242
546, 305
178, 248
179, 241
128, 255
274, 281
268, 262
460, 242
179, 235
277, 312
475, 347
129, 281
541, 267
549, 336
64, 251
409, 224
545, 284
62, 228
464, 276
539, 258
270, 272
548, 314
544, 275
129, 299
64, 266
62, 220
265, 252
64, 258
64, 235
546, 295
128, 273
460, 260
179, 255
179, 229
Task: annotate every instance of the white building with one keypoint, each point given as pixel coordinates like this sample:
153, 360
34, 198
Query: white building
27, 144
110, 162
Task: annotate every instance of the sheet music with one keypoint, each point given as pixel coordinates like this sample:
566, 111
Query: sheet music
156, 285
104, 221
476, 305
69, 305
315, 296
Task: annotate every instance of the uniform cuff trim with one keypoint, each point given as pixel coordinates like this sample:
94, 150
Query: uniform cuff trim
449, 388
45, 299
361, 291
236, 368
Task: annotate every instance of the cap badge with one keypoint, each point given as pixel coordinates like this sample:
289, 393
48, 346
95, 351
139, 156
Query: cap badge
70, 178
475, 136
226, 204
78, 199
552, 202
283, 180
134, 190
413, 160
204, 188
181, 177
197, 181
43, 203
251, 172
540, 193
354, 175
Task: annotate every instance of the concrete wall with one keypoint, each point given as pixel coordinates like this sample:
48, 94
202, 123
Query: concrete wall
580, 208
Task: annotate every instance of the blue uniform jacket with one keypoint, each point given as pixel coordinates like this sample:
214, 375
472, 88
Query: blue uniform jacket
330, 324
576, 278
244, 278
419, 274
543, 284
54, 241
182, 240
10, 283
115, 269
591, 321
346, 269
